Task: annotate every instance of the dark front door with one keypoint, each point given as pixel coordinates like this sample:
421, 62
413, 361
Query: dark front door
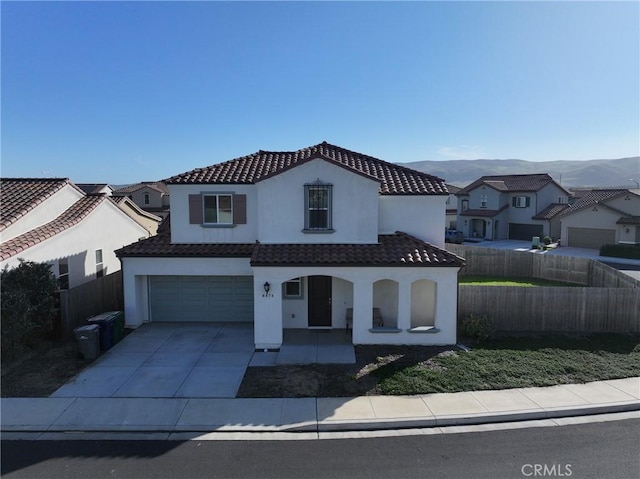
319, 301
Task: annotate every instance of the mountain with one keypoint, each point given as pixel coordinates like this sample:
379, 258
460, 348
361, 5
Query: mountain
587, 173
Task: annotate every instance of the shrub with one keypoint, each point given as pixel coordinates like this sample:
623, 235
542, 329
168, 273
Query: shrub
620, 251
547, 240
28, 305
480, 327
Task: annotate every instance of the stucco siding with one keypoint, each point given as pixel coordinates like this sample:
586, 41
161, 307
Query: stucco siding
184, 232
281, 205
420, 216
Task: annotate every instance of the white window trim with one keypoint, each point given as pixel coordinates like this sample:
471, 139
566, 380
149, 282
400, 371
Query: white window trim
307, 210
300, 294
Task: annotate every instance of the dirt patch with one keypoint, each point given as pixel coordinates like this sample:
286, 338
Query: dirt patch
337, 380
38, 373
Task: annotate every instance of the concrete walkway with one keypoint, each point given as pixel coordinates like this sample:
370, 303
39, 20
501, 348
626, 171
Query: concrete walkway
46, 418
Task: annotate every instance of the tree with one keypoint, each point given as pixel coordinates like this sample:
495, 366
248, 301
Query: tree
28, 305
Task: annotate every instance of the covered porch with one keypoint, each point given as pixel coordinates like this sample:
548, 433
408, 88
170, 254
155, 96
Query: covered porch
399, 291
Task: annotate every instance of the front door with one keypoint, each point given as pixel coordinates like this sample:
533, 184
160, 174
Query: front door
319, 301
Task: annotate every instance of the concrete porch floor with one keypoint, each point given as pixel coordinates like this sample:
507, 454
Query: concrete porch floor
310, 346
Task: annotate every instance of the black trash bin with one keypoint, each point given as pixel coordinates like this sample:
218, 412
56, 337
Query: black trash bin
106, 323
88, 337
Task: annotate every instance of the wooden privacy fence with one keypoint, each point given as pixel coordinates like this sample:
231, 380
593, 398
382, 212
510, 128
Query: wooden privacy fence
90, 299
608, 302
550, 308
567, 269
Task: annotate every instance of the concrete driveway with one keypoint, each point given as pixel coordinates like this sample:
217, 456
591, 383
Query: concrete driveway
170, 360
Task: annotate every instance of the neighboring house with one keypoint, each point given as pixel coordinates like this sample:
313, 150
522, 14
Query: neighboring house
53, 221
516, 207
602, 216
452, 207
151, 196
146, 219
321, 237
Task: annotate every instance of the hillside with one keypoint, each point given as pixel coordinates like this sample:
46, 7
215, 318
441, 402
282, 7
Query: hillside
591, 173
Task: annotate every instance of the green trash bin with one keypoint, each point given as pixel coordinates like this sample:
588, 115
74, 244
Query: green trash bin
106, 323
118, 326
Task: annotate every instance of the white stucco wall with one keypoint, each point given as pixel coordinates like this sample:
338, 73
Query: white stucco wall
107, 228
183, 232
281, 204
549, 194
155, 197
420, 216
600, 218
45, 212
136, 272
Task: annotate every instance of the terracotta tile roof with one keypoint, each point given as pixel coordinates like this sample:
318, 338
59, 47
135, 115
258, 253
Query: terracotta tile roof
483, 212
92, 188
399, 249
72, 216
505, 183
551, 211
154, 185
394, 179
18, 196
596, 196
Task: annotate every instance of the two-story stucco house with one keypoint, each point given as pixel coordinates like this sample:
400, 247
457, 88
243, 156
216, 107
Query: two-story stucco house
516, 207
51, 220
321, 237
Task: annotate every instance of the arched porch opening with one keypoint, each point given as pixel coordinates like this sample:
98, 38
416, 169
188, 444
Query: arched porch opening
385, 304
423, 303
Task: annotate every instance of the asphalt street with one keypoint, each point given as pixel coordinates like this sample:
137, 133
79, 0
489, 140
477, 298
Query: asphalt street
593, 450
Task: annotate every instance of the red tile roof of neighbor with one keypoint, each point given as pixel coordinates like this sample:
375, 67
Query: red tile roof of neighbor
533, 182
597, 196
394, 179
18, 196
72, 216
399, 249
154, 185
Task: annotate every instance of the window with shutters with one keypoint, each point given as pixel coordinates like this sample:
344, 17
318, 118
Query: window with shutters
521, 201
217, 209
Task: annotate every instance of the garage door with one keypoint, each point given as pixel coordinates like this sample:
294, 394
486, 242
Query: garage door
201, 298
523, 231
591, 238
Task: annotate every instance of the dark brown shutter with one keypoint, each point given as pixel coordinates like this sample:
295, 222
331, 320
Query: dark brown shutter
195, 209
239, 209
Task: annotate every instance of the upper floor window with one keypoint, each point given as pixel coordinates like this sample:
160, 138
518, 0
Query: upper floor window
218, 209
521, 201
318, 208
465, 205
146, 199
483, 201
560, 199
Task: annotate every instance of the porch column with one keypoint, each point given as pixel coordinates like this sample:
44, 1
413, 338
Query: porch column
267, 313
447, 308
136, 299
362, 310
404, 305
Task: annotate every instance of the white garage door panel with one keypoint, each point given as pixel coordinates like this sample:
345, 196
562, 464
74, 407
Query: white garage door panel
201, 298
592, 238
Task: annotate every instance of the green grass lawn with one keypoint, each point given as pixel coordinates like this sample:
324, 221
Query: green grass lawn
502, 281
517, 362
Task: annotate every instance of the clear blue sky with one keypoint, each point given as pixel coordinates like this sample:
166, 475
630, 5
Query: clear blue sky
132, 91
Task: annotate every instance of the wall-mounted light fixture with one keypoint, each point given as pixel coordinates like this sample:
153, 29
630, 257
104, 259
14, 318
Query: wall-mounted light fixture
267, 288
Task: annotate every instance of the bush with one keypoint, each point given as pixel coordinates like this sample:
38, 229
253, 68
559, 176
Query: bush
620, 251
479, 327
28, 305
547, 240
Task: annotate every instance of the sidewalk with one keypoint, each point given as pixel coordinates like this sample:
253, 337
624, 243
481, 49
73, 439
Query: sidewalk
46, 418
